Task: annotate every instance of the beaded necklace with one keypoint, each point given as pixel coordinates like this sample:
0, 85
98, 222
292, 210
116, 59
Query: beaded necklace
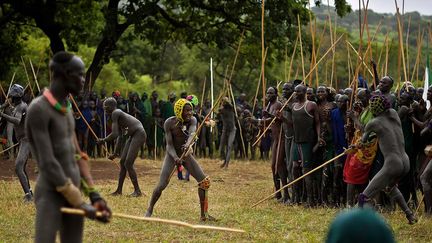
54, 103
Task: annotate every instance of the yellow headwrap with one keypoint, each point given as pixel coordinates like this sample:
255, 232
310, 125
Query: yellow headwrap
178, 108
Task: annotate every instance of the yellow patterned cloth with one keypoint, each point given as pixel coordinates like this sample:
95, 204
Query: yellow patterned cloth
178, 108
367, 151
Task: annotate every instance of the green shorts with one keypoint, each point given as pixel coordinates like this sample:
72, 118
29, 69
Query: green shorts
302, 152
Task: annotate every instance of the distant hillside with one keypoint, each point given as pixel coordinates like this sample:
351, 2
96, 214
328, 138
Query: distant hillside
388, 22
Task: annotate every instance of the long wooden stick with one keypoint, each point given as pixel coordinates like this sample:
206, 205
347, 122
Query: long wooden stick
257, 88
331, 42
301, 46
291, 61
401, 43
4, 93
361, 59
28, 78
263, 53
157, 220
237, 116
155, 141
318, 48
313, 45
298, 179
286, 102
5, 150
419, 204
407, 47
34, 75
419, 45
334, 69
88, 125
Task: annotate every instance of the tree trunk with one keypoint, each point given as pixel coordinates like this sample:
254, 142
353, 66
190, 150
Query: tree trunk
111, 34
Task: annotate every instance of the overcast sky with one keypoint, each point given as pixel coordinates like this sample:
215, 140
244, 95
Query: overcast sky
424, 7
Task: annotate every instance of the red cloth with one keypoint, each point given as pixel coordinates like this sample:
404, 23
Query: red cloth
355, 172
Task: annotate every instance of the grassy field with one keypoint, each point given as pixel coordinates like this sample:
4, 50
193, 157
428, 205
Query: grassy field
232, 193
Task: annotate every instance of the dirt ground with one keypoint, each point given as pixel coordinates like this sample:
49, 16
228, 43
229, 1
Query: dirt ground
101, 170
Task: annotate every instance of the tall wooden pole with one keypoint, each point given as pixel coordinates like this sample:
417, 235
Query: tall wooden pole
301, 45
263, 53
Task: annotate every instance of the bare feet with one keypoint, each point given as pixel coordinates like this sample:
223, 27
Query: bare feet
116, 193
209, 218
136, 194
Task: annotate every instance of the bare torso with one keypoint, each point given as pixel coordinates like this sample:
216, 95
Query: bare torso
51, 135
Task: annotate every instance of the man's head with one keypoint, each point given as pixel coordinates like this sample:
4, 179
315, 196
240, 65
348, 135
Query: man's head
385, 84
92, 104
405, 98
429, 93
348, 92
342, 102
378, 104
16, 92
116, 94
225, 101
172, 97
84, 104
271, 94
419, 94
287, 90
310, 94
68, 71
242, 97
144, 96
93, 95
363, 95
154, 95
103, 93
183, 110
183, 95
109, 105
134, 96
322, 93
300, 92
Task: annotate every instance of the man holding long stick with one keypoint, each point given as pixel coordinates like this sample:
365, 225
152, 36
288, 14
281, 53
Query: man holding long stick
17, 119
278, 164
62, 171
180, 136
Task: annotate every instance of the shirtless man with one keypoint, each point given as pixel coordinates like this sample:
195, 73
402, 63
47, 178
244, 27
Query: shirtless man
132, 127
326, 149
51, 132
387, 127
278, 164
17, 119
287, 125
307, 132
227, 115
385, 85
180, 136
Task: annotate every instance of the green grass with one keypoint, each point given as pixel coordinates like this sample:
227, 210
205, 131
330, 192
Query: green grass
231, 194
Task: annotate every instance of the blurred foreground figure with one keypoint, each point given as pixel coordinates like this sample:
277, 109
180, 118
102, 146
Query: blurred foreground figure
63, 168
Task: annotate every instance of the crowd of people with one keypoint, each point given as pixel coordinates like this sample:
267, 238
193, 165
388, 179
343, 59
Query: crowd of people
381, 139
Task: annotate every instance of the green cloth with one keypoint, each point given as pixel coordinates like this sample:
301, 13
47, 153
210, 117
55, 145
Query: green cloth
359, 226
167, 110
365, 116
147, 108
302, 152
